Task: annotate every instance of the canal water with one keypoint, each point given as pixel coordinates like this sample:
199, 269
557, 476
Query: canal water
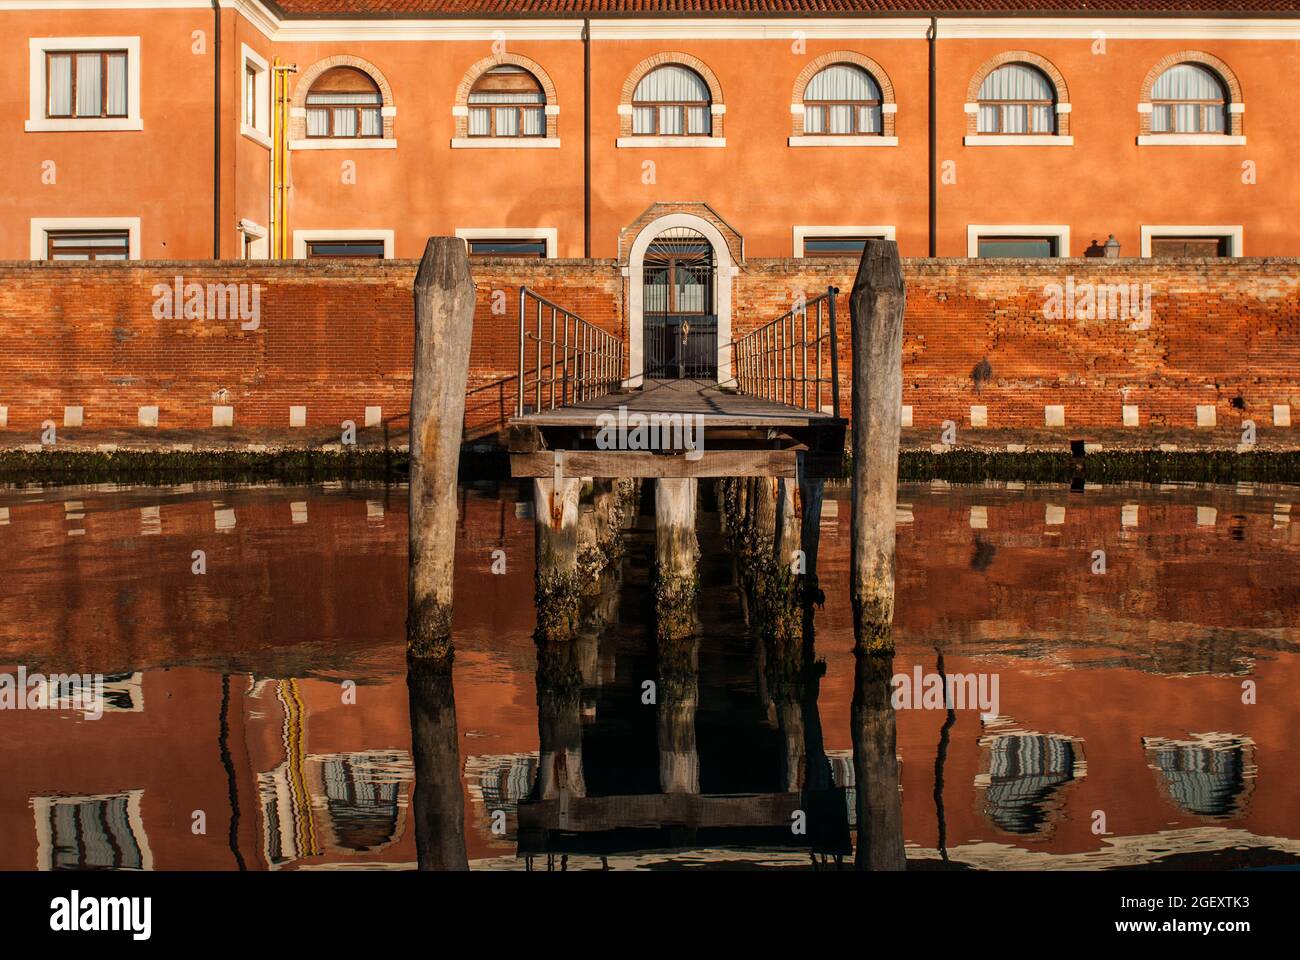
1126, 661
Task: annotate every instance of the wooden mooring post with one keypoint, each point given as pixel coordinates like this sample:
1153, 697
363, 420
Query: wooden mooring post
444, 326
876, 308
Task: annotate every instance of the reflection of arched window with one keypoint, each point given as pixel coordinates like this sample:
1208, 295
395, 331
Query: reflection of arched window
507, 101
344, 102
1025, 772
362, 794
1188, 98
1017, 99
672, 100
842, 99
1207, 778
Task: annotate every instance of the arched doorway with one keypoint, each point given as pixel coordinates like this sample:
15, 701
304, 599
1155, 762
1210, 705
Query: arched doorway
679, 297
680, 328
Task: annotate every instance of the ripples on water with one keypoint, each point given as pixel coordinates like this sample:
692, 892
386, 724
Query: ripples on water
232, 692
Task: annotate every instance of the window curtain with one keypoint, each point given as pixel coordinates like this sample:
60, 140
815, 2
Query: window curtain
480, 124
317, 122
90, 91
842, 81
117, 84
1016, 81
534, 123
671, 83
643, 120
1187, 81
507, 122
372, 122
60, 85
345, 122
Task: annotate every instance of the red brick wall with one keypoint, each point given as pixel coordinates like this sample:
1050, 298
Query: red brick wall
337, 338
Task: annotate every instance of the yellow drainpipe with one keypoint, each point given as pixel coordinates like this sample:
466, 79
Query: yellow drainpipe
280, 237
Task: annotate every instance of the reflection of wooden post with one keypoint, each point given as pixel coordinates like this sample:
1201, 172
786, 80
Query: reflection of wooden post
787, 524
875, 766
439, 805
444, 322
876, 306
555, 516
676, 553
811, 494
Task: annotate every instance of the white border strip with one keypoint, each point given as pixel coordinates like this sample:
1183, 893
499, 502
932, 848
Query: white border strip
550, 234
801, 233
1059, 230
301, 238
1233, 233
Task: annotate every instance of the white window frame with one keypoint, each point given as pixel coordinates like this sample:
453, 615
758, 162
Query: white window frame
802, 233
40, 226
302, 237
1233, 233
38, 96
261, 132
261, 247
1060, 231
549, 234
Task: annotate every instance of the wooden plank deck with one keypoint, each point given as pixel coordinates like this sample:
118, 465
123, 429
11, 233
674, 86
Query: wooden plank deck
720, 408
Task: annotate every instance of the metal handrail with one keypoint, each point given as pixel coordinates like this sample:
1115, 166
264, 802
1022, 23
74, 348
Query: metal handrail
584, 361
772, 361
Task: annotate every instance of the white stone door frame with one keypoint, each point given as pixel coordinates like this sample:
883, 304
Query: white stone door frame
725, 270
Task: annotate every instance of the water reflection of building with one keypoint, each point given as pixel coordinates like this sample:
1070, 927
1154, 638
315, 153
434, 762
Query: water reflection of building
1023, 774
500, 782
1210, 775
91, 833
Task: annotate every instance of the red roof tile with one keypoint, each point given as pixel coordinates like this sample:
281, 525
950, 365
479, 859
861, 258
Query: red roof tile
687, 8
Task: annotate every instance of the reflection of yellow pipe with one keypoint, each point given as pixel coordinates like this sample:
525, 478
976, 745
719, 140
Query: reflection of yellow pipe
294, 742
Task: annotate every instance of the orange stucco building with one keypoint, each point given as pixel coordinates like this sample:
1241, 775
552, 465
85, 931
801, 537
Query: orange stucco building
156, 129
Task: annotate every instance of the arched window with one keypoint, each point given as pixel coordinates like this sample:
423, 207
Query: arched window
1188, 98
1017, 99
507, 101
672, 100
842, 99
344, 102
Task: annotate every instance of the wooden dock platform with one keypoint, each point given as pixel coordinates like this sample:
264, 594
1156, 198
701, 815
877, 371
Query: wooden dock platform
742, 435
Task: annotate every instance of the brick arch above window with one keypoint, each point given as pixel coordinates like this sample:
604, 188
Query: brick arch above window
1235, 104
461, 107
1034, 60
818, 64
298, 103
660, 60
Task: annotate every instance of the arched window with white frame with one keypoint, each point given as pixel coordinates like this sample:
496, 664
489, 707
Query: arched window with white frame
507, 101
672, 100
842, 99
1017, 98
1189, 98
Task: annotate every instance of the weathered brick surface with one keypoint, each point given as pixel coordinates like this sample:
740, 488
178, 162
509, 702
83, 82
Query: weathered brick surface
338, 338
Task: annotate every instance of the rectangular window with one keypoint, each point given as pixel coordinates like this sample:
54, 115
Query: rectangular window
1018, 247
1190, 247
86, 84
250, 95
355, 249
834, 246
87, 245
507, 248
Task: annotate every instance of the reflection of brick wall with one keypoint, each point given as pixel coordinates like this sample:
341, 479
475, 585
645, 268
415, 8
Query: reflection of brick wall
337, 338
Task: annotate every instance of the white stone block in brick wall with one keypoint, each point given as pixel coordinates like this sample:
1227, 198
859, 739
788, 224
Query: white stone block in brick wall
1054, 415
374, 415
1092, 448
1131, 415
147, 416
1206, 415
1015, 448
298, 511
1129, 515
906, 418
297, 416
979, 518
4, 516
4, 416
223, 416
224, 518
1206, 516
73, 416
979, 416
1281, 415
1054, 515
374, 510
